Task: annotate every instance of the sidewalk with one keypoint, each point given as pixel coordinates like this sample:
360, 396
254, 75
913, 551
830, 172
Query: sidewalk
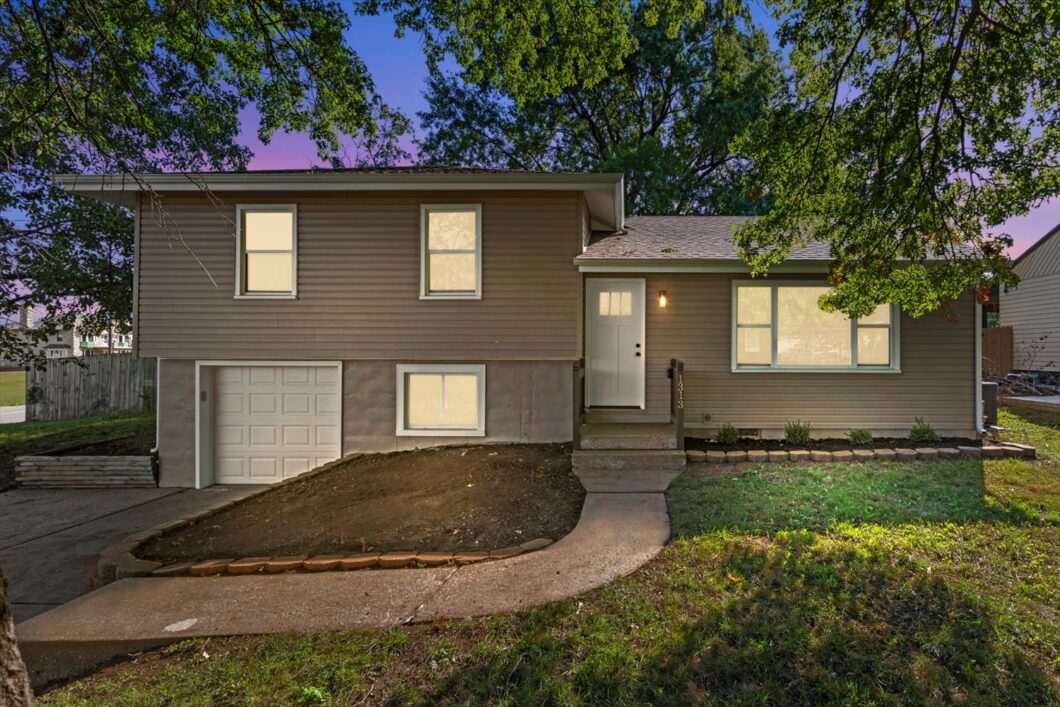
616, 534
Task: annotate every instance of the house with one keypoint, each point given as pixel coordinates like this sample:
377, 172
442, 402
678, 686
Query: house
1032, 309
67, 343
332, 312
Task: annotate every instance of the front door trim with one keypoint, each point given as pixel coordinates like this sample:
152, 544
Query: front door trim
592, 284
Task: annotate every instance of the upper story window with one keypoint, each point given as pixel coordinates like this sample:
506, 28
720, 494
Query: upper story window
267, 251
451, 251
781, 327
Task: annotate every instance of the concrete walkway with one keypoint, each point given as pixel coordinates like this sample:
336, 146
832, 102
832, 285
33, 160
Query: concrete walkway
616, 534
50, 539
10, 414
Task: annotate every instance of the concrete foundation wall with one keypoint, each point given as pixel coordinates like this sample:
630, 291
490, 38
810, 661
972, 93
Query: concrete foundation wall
176, 423
526, 401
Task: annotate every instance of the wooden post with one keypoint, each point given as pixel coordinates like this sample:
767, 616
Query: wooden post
677, 399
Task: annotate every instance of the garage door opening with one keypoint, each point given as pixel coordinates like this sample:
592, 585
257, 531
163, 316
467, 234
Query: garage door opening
260, 423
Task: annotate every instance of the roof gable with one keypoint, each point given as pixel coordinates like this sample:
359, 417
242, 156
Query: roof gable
1042, 258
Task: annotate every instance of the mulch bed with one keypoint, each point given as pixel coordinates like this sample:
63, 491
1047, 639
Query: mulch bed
135, 445
824, 445
444, 499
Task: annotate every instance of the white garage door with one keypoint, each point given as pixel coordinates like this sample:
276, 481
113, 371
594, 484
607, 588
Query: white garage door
274, 422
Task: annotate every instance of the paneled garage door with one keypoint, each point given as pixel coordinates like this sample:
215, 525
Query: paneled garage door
274, 422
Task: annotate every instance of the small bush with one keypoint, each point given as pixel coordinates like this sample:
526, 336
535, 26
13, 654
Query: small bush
797, 432
859, 437
727, 434
923, 431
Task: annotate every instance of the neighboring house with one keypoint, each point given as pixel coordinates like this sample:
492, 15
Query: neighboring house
67, 343
363, 311
1032, 309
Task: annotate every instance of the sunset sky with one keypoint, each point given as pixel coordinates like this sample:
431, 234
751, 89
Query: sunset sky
398, 69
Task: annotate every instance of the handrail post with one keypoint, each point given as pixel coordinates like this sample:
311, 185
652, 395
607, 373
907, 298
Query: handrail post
578, 396
677, 399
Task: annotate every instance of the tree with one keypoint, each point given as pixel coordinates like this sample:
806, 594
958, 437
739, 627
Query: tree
665, 116
132, 87
14, 682
919, 125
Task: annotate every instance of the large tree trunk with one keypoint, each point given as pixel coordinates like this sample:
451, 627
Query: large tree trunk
14, 681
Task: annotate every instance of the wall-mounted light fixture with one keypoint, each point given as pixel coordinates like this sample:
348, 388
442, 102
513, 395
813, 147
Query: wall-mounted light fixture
663, 300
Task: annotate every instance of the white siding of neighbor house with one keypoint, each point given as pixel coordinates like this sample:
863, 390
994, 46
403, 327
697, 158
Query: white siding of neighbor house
1033, 312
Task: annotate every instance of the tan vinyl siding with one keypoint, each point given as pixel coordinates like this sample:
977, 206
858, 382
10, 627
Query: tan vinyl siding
359, 281
937, 379
1033, 312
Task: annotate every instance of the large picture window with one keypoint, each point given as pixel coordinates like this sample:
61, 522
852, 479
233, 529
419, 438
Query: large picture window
267, 243
441, 400
451, 261
781, 327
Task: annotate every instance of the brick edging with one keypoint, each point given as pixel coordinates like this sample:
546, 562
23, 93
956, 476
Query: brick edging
1005, 449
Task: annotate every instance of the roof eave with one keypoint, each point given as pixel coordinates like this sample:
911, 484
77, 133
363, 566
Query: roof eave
691, 265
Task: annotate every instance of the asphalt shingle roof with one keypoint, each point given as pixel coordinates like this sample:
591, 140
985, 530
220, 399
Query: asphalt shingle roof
681, 238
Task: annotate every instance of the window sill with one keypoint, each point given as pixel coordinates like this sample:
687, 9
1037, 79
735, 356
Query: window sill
474, 296
292, 296
448, 432
811, 369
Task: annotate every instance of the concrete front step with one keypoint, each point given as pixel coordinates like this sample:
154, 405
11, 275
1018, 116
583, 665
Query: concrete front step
627, 480
628, 436
628, 459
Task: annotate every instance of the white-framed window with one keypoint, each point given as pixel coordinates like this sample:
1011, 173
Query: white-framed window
444, 400
266, 251
780, 327
451, 251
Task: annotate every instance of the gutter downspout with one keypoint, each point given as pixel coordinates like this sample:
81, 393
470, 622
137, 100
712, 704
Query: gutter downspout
979, 367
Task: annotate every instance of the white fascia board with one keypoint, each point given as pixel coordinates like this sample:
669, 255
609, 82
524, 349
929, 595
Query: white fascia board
328, 181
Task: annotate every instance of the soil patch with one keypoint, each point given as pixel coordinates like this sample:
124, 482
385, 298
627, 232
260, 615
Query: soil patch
445, 499
825, 445
133, 446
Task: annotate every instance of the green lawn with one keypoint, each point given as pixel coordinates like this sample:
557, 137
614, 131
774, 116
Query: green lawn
880, 583
36, 437
12, 388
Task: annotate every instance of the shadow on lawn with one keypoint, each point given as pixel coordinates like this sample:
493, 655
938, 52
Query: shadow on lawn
750, 621
768, 499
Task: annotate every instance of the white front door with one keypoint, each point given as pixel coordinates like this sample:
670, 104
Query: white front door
615, 346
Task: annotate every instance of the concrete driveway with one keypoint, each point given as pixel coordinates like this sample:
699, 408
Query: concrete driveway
12, 413
50, 539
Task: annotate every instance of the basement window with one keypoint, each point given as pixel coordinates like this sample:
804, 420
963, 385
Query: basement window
441, 400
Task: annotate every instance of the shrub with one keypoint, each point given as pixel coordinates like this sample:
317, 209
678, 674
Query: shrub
797, 432
859, 437
727, 434
922, 431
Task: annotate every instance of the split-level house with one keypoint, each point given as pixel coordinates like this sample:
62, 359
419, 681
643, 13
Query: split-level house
301, 316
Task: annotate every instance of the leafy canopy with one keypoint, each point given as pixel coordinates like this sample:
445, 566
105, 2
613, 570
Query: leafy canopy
665, 116
919, 125
130, 87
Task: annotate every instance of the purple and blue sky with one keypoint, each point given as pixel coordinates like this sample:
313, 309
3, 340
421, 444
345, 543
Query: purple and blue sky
398, 68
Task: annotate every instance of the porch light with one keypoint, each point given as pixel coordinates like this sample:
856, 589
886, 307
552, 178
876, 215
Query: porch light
662, 298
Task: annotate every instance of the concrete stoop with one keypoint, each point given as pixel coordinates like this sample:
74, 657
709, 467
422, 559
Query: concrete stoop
627, 480
628, 436
628, 460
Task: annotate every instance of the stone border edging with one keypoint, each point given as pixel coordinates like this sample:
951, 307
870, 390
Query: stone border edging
1005, 449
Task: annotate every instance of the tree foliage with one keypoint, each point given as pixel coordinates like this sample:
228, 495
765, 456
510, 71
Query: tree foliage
919, 126
665, 115
131, 87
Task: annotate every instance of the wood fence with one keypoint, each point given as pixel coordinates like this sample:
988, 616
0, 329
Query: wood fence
80, 387
998, 351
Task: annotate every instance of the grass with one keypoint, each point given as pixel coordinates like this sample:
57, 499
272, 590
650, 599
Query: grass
878, 583
12, 388
36, 437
